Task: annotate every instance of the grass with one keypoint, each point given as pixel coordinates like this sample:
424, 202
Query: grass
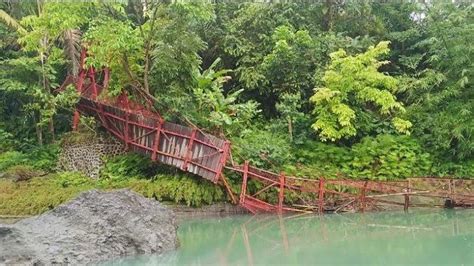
41, 194
36, 195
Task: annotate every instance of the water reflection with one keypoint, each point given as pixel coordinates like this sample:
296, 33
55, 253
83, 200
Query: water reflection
444, 237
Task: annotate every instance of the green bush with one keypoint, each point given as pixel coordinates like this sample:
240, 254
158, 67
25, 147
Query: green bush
72, 179
44, 157
179, 189
264, 149
40, 158
124, 166
451, 169
388, 157
157, 181
11, 158
315, 159
7, 141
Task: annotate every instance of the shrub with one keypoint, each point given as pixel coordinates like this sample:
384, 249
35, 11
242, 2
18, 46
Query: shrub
7, 141
387, 157
122, 167
179, 189
78, 137
461, 170
316, 159
40, 158
11, 158
44, 157
264, 149
72, 179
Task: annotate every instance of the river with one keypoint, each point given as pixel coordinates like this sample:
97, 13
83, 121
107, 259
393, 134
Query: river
444, 237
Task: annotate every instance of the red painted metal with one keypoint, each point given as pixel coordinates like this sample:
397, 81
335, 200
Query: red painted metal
94, 87
126, 131
223, 159
321, 196
75, 120
192, 150
189, 149
106, 78
156, 142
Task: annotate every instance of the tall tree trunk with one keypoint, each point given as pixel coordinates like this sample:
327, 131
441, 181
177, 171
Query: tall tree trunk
51, 129
39, 130
290, 128
39, 5
327, 19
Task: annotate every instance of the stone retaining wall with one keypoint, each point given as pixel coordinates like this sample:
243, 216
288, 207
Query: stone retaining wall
87, 156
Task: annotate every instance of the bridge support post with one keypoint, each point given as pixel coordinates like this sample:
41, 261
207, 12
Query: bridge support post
362, 196
229, 190
189, 150
281, 194
407, 197
126, 130
79, 84
225, 154
156, 141
75, 120
243, 190
321, 196
95, 91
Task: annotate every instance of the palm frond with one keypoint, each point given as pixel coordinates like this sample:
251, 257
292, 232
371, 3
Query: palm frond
71, 41
10, 21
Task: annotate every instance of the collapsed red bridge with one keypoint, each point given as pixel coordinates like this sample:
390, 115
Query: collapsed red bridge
190, 149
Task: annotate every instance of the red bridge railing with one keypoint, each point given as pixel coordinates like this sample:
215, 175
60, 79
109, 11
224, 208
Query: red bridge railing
186, 148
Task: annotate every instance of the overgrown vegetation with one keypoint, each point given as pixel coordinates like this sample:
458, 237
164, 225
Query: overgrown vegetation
36, 194
339, 88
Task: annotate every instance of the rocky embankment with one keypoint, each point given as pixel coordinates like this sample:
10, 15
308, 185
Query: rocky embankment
94, 227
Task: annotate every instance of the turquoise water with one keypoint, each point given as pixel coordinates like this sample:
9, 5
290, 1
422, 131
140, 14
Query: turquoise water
429, 238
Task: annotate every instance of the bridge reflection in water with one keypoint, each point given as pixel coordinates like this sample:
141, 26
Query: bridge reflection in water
442, 237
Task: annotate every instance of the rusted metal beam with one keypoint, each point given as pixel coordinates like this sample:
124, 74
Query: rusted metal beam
223, 159
228, 188
243, 190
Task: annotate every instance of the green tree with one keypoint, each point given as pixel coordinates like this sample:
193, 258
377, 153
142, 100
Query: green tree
49, 40
445, 89
289, 108
289, 66
219, 111
354, 85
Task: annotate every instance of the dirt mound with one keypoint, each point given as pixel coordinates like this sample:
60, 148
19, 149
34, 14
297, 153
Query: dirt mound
94, 227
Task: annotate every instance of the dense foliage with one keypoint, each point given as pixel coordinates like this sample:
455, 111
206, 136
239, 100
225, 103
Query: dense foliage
355, 80
360, 89
26, 189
